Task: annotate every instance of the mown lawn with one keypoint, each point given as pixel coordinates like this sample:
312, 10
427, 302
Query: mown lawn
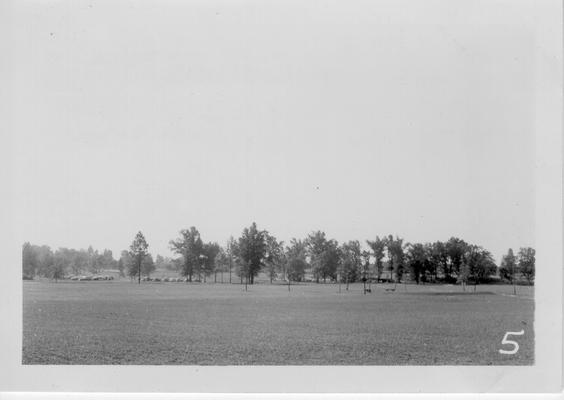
215, 324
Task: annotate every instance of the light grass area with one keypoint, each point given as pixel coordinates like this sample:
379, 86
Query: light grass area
314, 324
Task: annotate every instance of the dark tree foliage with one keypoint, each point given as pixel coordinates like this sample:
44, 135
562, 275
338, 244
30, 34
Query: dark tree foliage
251, 250
378, 247
210, 252
455, 249
351, 261
417, 261
527, 263
324, 256
296, 263
189, 247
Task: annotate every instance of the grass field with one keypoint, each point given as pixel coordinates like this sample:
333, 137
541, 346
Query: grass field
214, 324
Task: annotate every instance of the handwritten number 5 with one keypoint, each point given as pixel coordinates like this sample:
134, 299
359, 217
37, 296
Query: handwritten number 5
511, 342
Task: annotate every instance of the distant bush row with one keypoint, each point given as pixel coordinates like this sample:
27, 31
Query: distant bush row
315, 258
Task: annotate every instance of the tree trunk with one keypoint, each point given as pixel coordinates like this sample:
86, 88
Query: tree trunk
139, 271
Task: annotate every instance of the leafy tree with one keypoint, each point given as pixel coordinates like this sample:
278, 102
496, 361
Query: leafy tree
330, 259
317, 244
252, 251
378, 246
508, 266
390, 250
274, 259
44, 260
210, 252
138, 252
352, 261
455, 248
190, 247
527, 263
417, 261
476, 264
29, 261
57, 268
323, 255
438, 258
296, 263
396, 256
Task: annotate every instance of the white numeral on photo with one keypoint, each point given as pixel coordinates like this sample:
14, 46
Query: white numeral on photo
511, 342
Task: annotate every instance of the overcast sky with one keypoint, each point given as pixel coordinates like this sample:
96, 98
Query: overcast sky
359, 118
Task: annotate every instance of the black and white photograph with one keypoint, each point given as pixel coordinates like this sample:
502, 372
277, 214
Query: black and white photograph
215, 185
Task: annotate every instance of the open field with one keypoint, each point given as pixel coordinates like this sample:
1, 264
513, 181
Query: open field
213, 324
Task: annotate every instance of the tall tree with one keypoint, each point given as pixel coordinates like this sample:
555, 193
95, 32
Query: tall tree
416, 260
296, 263
138, 252
396, 256
438, 257
230, 252
476, 264
455, 248
527, 263
210, 252
29, 261
274, 258
378, 247
317, 245
189, 246
252, 251
508, 266
352, 261
331, 260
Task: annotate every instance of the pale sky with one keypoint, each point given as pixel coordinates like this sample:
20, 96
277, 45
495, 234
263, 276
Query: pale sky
359, 118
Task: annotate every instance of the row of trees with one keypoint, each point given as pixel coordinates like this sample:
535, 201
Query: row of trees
42, 261
386, 258
389, 258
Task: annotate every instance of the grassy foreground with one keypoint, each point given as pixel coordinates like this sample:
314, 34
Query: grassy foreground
215, 324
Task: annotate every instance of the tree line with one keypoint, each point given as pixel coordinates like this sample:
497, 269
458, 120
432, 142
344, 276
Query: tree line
386, 258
